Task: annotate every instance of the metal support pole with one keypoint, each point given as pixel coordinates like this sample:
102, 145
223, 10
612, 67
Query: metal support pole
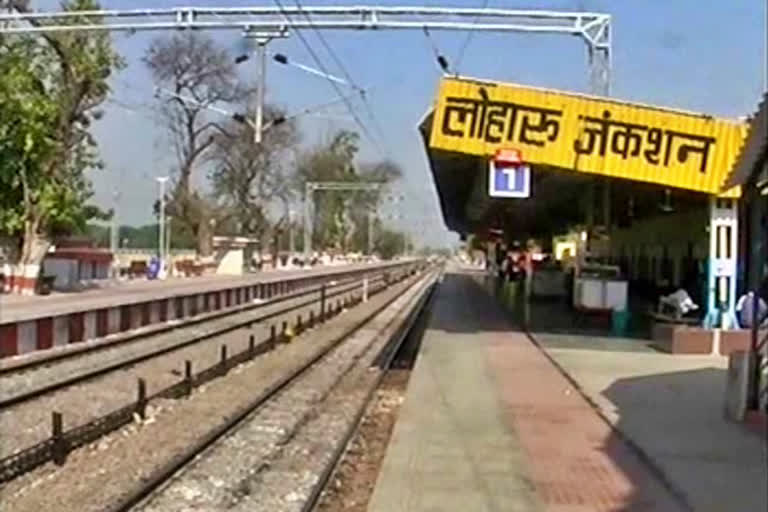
161, 228
261, 51
755, 277
322, 304
168, 243
291, 244
308, 195
370, 231
590, 213
607, 206
57, 435
114, 236
723, 263
141, 398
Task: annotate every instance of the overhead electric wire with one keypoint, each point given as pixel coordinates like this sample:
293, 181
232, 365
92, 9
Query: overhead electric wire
140, 110
468, 39
322, 67
438, 56
343, 69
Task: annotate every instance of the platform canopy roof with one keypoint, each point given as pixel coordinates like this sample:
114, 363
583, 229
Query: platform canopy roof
565, 138
753, 150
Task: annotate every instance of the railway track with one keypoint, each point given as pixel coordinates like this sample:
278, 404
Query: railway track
182, 337
399, 353
271, 291
123, 469
288, 441
100, 416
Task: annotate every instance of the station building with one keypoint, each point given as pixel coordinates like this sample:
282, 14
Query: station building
642, 187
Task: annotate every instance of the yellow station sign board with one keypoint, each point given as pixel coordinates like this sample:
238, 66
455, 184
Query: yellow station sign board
586, 134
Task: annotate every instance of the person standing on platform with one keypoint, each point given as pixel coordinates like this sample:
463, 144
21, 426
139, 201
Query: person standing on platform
528, 280
569, 269
515, 276
501, 259
745, 310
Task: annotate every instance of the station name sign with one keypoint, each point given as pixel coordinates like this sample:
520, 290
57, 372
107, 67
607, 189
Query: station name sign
586, 134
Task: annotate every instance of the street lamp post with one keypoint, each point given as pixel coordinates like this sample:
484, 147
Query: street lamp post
161, 238
309, 189
114, 235
291, 243
371, 213
168, 221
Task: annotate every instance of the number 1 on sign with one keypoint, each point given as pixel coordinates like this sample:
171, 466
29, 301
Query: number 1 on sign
508, 181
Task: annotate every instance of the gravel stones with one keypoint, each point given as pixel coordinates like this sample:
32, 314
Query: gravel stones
92, 480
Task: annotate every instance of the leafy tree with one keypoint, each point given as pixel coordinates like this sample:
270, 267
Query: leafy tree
390, 243
367, 203
341, 217
200, 74
52, 87
331, 161
131, 237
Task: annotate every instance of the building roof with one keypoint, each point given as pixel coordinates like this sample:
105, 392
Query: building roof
752, 150
458, 156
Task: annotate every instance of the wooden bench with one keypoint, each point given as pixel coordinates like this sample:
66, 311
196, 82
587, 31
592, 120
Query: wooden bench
669, 319
137, 268
189, 268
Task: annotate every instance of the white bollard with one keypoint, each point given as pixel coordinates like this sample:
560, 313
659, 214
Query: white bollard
365, 289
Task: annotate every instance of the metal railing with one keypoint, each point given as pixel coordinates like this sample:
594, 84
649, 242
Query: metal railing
62, 442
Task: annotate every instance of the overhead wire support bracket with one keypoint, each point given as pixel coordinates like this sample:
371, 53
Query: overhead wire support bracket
593, 28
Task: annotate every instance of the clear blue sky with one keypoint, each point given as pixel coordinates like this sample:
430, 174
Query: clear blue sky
702, 55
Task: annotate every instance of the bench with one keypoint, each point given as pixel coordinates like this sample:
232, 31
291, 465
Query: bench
189, 268
669, 319
137, 268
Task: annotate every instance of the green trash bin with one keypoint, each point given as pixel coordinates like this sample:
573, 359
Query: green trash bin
619, 322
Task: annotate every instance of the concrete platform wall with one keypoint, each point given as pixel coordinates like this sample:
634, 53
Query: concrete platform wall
48, 331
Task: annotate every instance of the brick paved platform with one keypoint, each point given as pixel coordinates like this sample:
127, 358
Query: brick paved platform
490, 424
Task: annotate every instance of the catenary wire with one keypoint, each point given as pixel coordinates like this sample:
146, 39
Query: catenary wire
343, 68
335, 86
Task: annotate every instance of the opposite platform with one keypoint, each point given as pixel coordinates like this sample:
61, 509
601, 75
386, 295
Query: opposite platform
19, 308
31, 326
489, 424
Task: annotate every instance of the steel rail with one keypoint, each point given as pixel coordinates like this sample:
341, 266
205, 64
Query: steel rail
98, 372
59, 445
167, 471
161, 328
388, 354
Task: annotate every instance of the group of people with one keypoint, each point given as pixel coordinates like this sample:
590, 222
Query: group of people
514, 262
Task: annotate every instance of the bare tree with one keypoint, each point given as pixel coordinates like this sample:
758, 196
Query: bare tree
199, 74
250, 178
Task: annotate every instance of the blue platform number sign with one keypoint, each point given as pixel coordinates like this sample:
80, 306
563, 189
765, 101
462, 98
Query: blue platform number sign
508, 176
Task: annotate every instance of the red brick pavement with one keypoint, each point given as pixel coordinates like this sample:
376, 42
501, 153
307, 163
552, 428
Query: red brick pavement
576, 461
